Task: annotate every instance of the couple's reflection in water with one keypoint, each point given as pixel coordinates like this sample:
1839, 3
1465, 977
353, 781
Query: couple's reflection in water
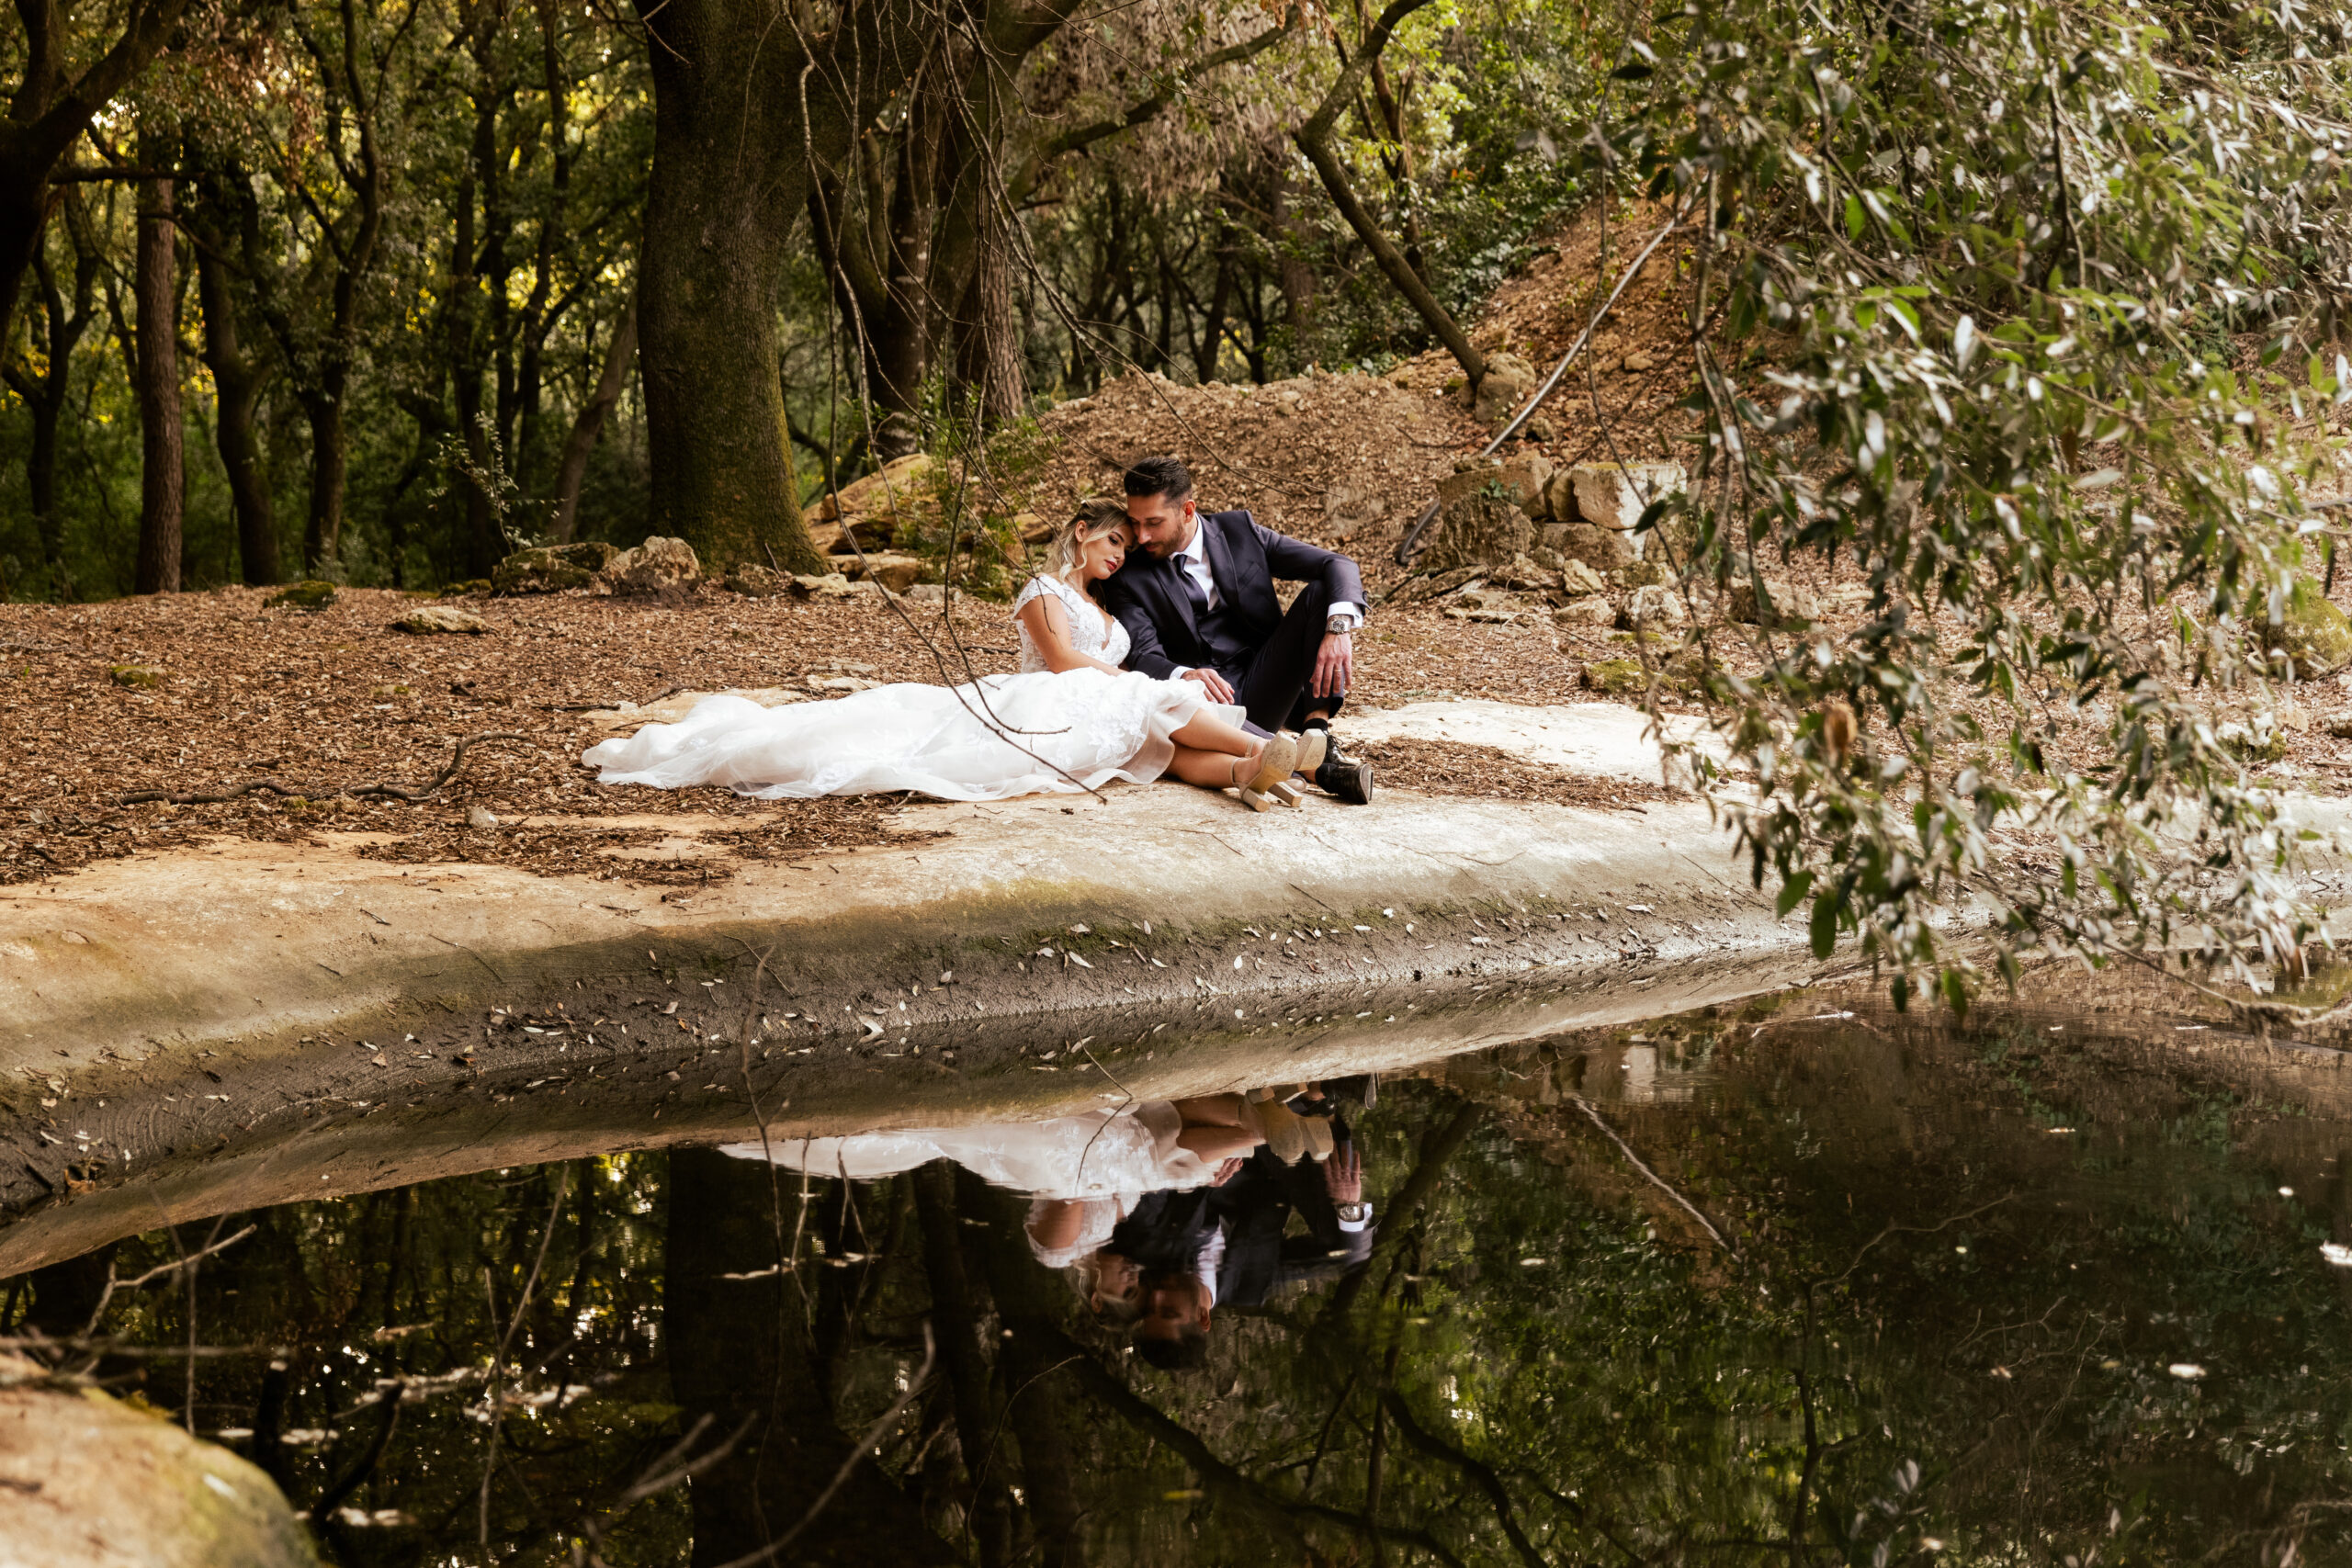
1157, 1212
1964, 1305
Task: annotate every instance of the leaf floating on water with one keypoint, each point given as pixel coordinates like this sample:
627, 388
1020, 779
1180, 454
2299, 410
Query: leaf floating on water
2187, 1372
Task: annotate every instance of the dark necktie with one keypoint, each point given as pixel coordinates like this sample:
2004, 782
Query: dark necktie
1193, 589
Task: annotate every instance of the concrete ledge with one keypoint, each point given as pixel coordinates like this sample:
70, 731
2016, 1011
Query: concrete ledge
217, 1003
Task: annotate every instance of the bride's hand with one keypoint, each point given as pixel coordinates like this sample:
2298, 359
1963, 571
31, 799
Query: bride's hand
1226, 1172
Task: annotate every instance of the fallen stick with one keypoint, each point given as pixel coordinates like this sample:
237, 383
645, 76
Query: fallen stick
397, 791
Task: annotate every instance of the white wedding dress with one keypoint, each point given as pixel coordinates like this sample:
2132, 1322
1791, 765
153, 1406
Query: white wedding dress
1000, 735
1105, 1160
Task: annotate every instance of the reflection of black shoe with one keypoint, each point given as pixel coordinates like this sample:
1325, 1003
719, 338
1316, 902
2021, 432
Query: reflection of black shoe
1364, 1088
1316, 1105
1344, 777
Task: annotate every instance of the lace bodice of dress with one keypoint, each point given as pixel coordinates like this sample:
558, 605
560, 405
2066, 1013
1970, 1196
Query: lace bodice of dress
1093, 631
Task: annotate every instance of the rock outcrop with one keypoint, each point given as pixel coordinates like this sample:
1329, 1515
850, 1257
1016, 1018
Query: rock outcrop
88, 1482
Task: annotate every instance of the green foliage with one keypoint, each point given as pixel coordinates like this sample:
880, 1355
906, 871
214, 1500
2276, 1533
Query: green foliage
1989, 249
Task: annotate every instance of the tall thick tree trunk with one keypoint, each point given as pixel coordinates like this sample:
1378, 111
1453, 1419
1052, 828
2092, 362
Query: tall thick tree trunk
729, 178
237, 386
591, 423
740, 1350
162, 485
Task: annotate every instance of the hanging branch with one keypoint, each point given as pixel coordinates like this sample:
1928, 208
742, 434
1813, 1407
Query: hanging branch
1314, 139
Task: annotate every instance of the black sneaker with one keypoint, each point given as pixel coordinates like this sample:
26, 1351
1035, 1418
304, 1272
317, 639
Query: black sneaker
1344, 777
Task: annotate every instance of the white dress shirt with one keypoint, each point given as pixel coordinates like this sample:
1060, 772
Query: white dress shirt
1193, 561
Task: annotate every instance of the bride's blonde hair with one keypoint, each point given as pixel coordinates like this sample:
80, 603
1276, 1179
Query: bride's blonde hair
1095, 516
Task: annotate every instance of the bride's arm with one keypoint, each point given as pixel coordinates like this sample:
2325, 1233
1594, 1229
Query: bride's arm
1048, 626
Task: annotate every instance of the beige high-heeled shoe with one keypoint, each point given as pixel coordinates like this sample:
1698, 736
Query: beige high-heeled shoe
1276, 763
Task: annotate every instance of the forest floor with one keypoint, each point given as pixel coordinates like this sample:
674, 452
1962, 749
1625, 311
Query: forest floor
198, 692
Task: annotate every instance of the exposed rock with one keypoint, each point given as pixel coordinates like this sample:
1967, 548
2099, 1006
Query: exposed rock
1615, 678
831, 585
1523, 573
479, 817
1592, 610
895, 572
1604, 550
1639, 361
756, 582
86, 1481
1032, 529
307, 595
1509, 382
2315, 636
660, 565
550, 569
1786, 604
1655, 606
441, 618
1477, 523
888, 490
1577, 578
1608, 496
472, 587
1528, 481
932, 593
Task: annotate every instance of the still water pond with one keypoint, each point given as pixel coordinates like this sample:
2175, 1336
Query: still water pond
1759, 1287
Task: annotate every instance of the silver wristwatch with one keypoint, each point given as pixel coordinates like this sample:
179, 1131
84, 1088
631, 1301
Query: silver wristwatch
1339, 626
1355, 1213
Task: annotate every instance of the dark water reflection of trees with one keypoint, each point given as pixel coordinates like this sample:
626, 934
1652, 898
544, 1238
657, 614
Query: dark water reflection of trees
1947, 1327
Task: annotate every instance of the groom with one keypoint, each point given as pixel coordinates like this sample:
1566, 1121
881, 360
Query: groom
1198, 603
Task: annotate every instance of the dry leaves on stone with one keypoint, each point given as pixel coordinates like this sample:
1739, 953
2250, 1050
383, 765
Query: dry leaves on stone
1458, 768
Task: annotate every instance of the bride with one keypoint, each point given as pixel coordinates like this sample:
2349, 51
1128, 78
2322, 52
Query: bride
1070, 721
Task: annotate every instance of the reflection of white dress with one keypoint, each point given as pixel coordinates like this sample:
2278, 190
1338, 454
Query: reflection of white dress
989, 739
1095, 1154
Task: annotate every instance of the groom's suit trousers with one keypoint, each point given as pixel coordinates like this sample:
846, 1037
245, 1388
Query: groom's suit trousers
1273, 686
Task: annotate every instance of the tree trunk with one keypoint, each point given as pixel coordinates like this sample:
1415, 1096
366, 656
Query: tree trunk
46, 114
591, 423
46, 395
740, 1349
162, 485
730, 177
1314, 139
237, 385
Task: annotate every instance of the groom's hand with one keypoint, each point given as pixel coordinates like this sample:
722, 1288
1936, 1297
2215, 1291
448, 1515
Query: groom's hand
1333, 666
1216, 686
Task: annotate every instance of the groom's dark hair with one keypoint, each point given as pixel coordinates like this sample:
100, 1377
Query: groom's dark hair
1163, 475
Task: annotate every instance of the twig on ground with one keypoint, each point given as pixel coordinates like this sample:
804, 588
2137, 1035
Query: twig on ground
385, 788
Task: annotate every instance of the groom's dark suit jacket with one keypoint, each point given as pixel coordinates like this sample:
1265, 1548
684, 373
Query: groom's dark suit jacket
1148, 595
1260, 1258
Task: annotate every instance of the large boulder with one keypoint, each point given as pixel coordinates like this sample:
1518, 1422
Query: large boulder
1605, 495
2315, 636
756, 582
660, 565
1509, 382
896, 572
88, 1482
551, 568
1478, 530
890, 488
